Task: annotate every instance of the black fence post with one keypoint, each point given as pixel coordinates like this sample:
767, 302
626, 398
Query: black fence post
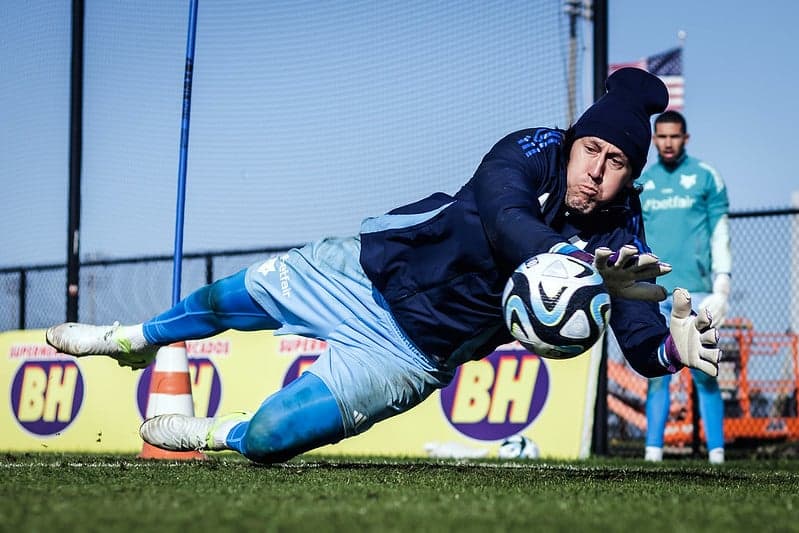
209, 269
75, 157
599, 444
23, 291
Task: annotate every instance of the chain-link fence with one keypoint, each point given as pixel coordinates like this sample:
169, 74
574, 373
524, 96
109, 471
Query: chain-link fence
128, 290
758, 378
759, 371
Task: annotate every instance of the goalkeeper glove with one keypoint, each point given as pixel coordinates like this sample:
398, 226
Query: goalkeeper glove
692, 341
716, 303
623, 271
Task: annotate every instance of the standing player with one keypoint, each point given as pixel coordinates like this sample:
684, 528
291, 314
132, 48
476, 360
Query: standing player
418, 292
685, 212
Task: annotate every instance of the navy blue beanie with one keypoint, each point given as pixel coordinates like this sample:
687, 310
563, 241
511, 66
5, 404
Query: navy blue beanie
621, 115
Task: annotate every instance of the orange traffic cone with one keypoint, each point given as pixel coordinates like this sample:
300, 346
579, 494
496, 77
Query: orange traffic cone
170, 392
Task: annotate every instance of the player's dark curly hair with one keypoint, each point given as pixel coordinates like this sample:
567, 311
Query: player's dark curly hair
672, 117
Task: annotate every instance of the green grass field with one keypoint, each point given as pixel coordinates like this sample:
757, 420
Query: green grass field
48, 492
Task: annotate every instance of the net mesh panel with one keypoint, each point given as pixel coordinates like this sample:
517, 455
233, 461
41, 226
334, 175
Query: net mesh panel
10, 301
34, 137
132, 292
306, 118
46, 302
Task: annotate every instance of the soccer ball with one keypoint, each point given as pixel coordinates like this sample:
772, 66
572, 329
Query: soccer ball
556, 306
518, 447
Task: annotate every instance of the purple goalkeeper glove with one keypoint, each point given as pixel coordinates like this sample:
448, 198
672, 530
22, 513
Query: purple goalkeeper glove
623, 270
692, 341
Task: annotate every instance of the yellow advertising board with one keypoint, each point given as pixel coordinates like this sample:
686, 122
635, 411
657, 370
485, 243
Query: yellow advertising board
63, 404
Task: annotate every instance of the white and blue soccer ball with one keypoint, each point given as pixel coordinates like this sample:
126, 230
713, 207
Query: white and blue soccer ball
518, 447
556, 306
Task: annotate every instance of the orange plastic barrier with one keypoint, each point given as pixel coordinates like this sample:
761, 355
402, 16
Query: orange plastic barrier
758, 378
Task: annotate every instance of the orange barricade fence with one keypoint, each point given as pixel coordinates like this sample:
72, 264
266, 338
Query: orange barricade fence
758, 379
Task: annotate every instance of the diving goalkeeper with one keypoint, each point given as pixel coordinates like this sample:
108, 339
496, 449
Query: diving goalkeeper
417, 292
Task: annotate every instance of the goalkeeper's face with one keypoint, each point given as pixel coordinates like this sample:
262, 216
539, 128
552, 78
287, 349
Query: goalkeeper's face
595, 174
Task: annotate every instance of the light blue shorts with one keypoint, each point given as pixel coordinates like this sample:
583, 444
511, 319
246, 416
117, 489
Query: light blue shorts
370, 366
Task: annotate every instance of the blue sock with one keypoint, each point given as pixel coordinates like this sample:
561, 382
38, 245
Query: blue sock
301, 416
222, 305
658, 402
711, 407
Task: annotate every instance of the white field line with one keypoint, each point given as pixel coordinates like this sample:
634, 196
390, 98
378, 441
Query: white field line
297, 466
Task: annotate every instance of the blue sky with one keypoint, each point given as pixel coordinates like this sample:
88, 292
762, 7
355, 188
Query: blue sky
741, 65
427, 89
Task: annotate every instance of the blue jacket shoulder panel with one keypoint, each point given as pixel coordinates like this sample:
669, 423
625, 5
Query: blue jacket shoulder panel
519, 189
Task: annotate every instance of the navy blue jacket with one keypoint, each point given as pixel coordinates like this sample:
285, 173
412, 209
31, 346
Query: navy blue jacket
442, 263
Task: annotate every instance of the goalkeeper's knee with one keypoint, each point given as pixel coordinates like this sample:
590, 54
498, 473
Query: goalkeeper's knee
300, 417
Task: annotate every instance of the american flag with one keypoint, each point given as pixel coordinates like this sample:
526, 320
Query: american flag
668, 67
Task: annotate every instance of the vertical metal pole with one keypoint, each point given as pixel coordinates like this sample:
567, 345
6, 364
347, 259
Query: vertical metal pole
695, 419
23, 297
600, 46
75, 150
209, 269
184, 153
600, 42
572, 10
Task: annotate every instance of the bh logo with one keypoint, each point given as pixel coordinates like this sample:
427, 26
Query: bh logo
206, 387
298, 367
497, 396
46, 395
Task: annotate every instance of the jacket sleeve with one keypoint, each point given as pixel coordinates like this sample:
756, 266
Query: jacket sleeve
510, 186
639, 326
640, 329
718, 207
